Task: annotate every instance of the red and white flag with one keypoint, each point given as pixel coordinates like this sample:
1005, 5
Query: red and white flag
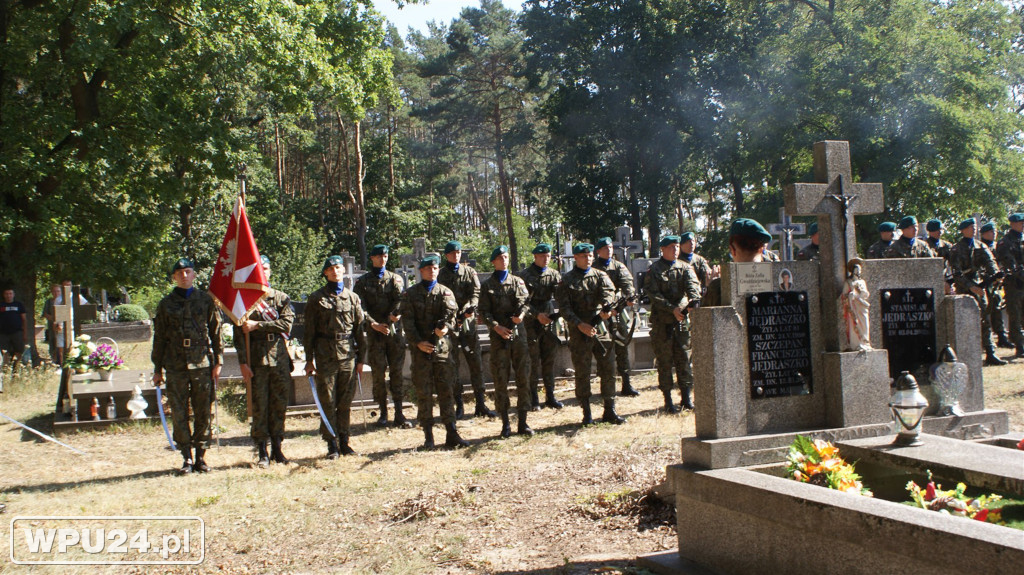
238, 284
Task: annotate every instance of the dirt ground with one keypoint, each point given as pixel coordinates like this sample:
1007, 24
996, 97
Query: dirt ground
568, 500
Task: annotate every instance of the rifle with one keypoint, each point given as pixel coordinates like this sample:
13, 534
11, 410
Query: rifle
434, 339
679, 326
989, 281
466, 331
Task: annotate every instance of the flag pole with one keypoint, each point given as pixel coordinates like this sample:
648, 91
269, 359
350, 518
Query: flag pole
248, 353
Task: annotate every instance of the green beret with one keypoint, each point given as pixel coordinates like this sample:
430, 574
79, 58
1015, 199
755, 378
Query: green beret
379, 250
934, 225
498, 251
583, 249
887, 227
1018, 217
668, 240
602, 242
264, 260
906, 222
812, 229
429, 261
332, 261
966, 224
452, 246
750, 228
542, 249
182, 264
687, 237
988, 227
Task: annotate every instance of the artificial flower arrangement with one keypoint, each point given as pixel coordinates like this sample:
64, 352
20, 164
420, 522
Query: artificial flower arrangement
78, 356
954, 502
105, 357
818, 462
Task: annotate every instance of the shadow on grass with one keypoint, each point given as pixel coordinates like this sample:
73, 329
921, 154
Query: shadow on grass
611, 566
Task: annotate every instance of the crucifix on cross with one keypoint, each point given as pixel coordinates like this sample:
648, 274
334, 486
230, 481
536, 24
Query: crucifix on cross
785, 230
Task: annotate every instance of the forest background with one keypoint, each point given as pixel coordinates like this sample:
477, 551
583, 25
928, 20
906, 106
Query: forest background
123, 123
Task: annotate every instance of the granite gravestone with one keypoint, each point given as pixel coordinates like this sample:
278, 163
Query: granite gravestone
785, 229
779, 343
908, 329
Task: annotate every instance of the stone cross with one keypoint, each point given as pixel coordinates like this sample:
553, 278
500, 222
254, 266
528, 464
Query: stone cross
625, 246
64, 313
785, 230
835, 199
419, 248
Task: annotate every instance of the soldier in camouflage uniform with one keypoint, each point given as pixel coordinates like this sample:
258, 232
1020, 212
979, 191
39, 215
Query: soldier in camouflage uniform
994, 290
746, 240
335, 351
429, 312
381, 293
541, 282
674, 290
940, 247
187, 345
908, 245
622, 279
584, 299
885, 232
974, 267
700, 265
503, 305
462, 280
1010, 255
269, 371
810, 251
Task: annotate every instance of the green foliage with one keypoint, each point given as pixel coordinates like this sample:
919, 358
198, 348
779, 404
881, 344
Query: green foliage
130, 312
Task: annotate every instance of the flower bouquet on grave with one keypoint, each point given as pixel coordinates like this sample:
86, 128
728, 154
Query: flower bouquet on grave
954, 501
818, 462
78, 356
105, 357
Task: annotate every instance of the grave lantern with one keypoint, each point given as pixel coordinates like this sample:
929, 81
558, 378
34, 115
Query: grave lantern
908, 407
949, 377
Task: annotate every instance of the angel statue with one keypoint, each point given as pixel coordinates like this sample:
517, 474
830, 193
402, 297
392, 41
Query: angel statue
854, 299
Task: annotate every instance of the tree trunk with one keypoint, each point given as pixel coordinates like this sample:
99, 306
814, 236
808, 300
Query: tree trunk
360, 198
506, 195
737, 195
634, 202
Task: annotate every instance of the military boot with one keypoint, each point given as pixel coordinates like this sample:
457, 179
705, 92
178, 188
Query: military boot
276, 455
627, 387
261, 448
343, 447
1020, 350
400, 421
670, 407
1003, 341
534, 397
460, 408
524, 428
506, 427
549, 396
382, 421
991, 359
609, 413
200, 465
186, 464
481, 405
687, 400
332, 448
587, 418
452, 438
428, 435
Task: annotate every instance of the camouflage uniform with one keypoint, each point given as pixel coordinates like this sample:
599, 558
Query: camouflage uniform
939, 246
878, 249
904, 248
769, 256
581, 295
973, 265
671, 284
431, 373
499, 301
623, 282
334, 338
270, 364
541, 285
701, 267
1010, 253
381, 295
466, 287
186, 343
995, 300
810, 252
